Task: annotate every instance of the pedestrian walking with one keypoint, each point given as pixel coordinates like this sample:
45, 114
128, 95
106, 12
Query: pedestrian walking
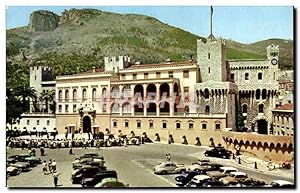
45, 166
71, 151
42, 151
50, 166
53, 165
55, 177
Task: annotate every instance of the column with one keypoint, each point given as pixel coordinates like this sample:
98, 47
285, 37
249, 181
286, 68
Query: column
157, 92
157, 109
132, 90
273, 97
171, 101
145, 91
120, 109
132, 109
145, 109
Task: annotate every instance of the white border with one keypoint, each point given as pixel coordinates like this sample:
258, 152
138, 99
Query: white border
3, 3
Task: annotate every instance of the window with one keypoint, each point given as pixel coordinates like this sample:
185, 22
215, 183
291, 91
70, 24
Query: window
37, 122
218, 126
114, 123
246, 76
191, 125
94, 94
208, 70
170, 74
185, 74
84, 94
67, 95
264, 94
67, 108
48, 122
157, 74
28, 122
145, 75
164, 125
115, 108
104, 108
204, 126
74, 108
259, 76
138, 124
123, 77
74, 95
59, 95
206, 94
126, 124
151, 125
177, 125
208, 55
207, 109
59, 108
35, 77
257, 93
261, 108
134, 77
244, 108
232, 76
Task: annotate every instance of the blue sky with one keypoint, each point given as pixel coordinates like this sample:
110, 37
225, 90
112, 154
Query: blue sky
243, 24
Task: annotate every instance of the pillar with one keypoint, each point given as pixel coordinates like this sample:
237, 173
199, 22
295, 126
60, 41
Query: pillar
157, 92
171, 101
145, 109
132, 108
120, 109
157, 109
145, 91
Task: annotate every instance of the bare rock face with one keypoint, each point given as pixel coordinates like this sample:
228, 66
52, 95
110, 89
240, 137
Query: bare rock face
43, 21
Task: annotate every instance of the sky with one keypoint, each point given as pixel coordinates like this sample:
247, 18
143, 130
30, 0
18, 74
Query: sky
245, 24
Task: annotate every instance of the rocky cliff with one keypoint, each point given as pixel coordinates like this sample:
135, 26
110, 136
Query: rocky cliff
43, 21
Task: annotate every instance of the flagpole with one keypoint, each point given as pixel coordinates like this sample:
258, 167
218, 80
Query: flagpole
211, 13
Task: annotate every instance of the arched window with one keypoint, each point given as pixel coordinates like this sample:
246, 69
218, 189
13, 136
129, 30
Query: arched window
246, 76
67, 95
83, 94
74, 95
115, 108
244, 108
115, 91
259, 76
206, 94
257, 94
207, 109
264, 94
59, 95
261, 108
94, 94
104, 92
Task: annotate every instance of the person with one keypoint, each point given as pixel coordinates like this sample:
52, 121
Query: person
50, 166
70, 151
33, 152
54, 165
55, 177
45, 167
42, 151
72, 136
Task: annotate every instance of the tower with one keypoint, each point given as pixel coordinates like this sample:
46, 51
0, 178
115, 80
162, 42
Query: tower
273, 54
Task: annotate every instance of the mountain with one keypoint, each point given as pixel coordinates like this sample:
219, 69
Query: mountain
77, 40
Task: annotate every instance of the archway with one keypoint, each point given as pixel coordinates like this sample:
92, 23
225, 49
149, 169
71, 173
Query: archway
164, 90
86, 124
262, 126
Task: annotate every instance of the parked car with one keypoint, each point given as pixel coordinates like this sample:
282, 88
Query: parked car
238, 175
91, 182
222, 172
12, 171
198, 180
230, 181
23, 166
134, 140
20, 157
218, 152
183, 179
169, 167
282, 184
85, 172
251, 182
33, 161
212, 183
88, 161
110, 183
89, 155
11, 160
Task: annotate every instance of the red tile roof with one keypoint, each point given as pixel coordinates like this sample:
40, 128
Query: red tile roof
135, 66
289, 106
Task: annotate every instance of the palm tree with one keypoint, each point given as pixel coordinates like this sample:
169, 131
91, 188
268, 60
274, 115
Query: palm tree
47, 96
25, 92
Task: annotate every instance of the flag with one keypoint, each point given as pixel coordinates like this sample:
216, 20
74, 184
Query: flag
211, 10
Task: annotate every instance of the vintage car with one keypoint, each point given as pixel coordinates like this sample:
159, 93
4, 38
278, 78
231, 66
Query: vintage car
33, 161
91, 182
198, 180
184, 178
169, 167
110, 183
85, 171
238, 175
251, 182
13, 171
88, 161
23, 166
20, 157
230, 181
89, 155
218, 152
222, 172
282, 184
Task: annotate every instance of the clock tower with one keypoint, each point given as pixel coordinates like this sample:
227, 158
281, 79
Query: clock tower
273, 53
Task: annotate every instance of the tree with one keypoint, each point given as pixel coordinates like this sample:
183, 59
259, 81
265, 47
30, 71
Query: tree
25, 92
13, 107
47, 96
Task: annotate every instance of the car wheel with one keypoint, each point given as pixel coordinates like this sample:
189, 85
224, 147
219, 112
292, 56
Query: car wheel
224, 157
206, 155
19, 171
164, 172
